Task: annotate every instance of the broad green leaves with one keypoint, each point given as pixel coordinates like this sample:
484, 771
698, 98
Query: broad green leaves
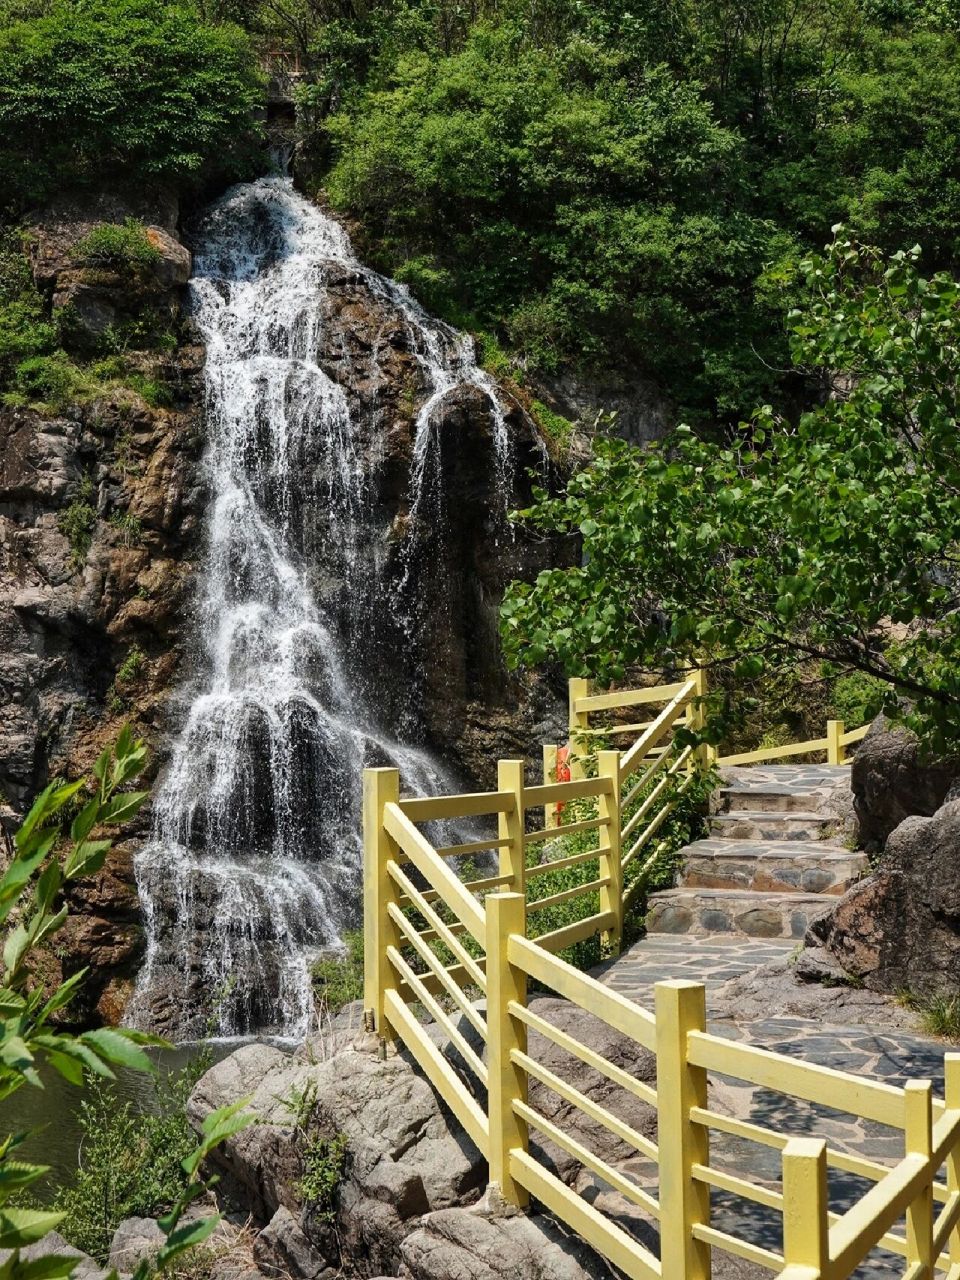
834, 538
30, 893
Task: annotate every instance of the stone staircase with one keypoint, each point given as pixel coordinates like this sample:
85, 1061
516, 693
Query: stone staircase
772, 862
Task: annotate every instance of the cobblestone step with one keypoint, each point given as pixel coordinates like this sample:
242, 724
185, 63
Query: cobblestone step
771, 866
745, 824
752, 914
765, 799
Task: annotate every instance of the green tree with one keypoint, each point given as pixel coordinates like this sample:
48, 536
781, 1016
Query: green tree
121, 91
48, 851
832, 538
592, 214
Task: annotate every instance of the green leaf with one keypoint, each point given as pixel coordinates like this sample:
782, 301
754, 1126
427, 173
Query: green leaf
63, 995
122, 807
85, 820
86, 859
20, 1227
117, 1047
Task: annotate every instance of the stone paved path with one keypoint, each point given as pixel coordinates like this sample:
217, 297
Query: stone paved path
894, 1056
719, 931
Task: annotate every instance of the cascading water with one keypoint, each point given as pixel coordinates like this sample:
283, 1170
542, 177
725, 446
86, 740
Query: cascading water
254, 857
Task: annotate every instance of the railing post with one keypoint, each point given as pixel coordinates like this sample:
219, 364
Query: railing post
918, 1141
705, 755
805, 1205
684, 1202
380, 788
951, 1095
611, 866
578, 723
836, 753
550, 817
506, 913
510, 827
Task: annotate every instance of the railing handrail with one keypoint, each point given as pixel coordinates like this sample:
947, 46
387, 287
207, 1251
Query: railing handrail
629, 794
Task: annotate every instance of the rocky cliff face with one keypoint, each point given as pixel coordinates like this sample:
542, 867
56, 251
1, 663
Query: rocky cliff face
101, 527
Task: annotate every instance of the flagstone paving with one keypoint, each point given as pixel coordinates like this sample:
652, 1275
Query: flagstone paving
716, 949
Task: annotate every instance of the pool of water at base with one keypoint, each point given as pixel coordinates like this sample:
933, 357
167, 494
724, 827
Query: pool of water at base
51, 1115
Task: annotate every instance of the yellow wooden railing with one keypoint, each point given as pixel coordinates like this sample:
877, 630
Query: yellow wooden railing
459, 953
584, 704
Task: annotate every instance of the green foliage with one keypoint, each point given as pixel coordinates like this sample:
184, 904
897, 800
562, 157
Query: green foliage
25, 333
338, 980
779, 546
580, 211
121, 89
52, 381
64, 838
122, 246
78, 520
856, 698
939, 1014
557, 429
131, 529
611, 187
324, 1164
131, 1163
131, 667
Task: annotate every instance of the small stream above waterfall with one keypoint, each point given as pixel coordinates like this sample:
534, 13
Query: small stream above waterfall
308, 614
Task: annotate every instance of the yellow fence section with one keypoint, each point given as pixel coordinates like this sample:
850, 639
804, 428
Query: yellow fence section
458, 953
584, 705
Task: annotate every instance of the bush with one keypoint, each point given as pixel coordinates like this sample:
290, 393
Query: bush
53, 380
324, 1164
24, 330
338, 980
130, 1163
122, 90
119, 246
78, 520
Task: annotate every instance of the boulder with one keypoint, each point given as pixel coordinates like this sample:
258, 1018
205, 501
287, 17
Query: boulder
406, 1154
282, 1249
614, 1047
135, 1240
892, 781
899, 930
459, 1244
53, 1245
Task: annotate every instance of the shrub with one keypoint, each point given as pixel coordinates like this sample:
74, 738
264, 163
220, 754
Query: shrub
130, 1163
131, 666
120, 246
52, 381
324, 1164
338, 980
122, 90
24, 330
78, 520
131, 529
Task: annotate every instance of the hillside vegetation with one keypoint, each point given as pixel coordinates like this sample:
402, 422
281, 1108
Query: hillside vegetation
597, 186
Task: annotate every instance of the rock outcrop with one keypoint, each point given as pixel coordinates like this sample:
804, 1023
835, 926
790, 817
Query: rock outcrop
411, 1198
101, 525
891, 780
899, 930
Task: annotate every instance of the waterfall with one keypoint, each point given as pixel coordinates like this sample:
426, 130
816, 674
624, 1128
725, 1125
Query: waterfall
254, 857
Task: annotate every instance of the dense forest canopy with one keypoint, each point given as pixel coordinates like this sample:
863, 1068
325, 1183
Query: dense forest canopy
600, 186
